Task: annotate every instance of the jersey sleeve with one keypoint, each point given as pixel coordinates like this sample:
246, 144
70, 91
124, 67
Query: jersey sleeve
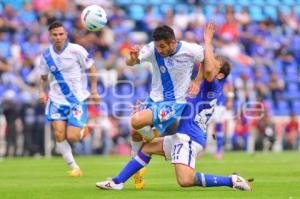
198, 51
146, 52
43, 67
85, 59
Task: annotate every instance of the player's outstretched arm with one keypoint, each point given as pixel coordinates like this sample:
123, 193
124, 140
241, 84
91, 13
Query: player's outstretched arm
133, 57
210, 63
42, 86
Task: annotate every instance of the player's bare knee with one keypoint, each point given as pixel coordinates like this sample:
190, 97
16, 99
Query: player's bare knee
135, 122
72, 138
59, 135
185, 181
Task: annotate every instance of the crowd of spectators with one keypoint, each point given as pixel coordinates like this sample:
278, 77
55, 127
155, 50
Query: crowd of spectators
265, 54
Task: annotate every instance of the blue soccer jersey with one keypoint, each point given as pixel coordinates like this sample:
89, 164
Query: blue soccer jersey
198, 111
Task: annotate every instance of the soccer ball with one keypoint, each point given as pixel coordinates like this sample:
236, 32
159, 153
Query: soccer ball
93, 17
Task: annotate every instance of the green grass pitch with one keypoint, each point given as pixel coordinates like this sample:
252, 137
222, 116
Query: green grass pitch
277, 176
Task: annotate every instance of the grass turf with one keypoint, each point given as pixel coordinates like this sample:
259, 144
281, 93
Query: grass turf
277, 176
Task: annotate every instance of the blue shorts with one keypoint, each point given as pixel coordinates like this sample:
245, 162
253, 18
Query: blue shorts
75, 114
163, 113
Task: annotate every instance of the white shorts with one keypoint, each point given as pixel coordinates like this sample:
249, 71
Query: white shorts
180, 149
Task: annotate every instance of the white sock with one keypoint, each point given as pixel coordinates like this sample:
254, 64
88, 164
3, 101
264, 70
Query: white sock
65, 149
135, 147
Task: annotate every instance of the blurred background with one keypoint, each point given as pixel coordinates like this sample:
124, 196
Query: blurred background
261, 38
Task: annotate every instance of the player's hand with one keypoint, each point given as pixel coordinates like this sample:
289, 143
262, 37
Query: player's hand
209, 32
194, 88
134, 53
95, 97
42, 97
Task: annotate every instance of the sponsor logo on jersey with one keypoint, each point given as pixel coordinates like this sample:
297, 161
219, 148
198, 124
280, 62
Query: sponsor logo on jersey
53, 68
162, 69
170, 62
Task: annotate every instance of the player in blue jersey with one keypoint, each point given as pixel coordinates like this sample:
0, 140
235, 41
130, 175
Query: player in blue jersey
183, 147
63, 64
173, 62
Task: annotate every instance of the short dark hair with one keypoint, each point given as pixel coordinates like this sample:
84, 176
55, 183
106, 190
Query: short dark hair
225, 66
163, 32
55, 24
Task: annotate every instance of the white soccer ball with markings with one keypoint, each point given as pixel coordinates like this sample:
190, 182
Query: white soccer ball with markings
93, 18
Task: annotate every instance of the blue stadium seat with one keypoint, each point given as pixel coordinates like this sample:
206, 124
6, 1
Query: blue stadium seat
291, 69
155, 2
291, 77
270, 11
285, 9
229, 2
296, 107
258, 2
297, 10
180, 7
256, 13
212, 1
123, 2
277, 67
244, 2
283, 108
237, 8
288, 2
141, 2
170, 1
136, 12
209, 10
292, 88
165, 7
273, 2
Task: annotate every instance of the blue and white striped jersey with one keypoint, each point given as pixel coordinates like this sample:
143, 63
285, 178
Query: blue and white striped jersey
68, 83
172, 75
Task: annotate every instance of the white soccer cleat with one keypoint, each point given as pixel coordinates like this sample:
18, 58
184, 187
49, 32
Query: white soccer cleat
109, 185
240, 183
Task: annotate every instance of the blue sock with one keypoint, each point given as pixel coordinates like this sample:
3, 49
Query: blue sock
219, 140
133, 166
208, 180
219, 136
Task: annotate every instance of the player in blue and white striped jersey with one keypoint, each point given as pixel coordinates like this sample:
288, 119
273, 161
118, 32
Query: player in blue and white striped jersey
172, 62
63, 64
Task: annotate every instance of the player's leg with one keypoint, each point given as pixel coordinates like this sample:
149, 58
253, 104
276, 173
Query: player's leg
187, 177
140, 122
142, 158
62, 144
183, 153
76, 130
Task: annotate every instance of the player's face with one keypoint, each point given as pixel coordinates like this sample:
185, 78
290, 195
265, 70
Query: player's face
220, 76
165, 48
58, 37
